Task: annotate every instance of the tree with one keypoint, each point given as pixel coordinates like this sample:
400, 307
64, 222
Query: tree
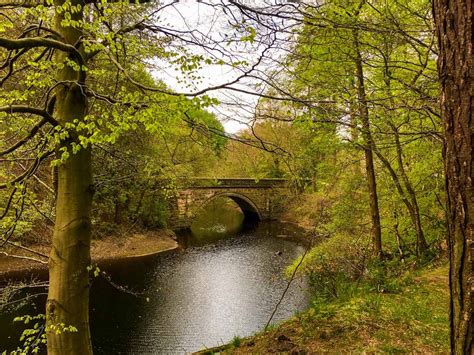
363, 115
454, 25
58, 60
368, 68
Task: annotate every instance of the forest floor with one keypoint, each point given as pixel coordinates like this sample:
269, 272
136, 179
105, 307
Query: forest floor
412, 320
108, 248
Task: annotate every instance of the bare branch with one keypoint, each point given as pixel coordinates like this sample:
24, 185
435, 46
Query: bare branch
31, 110
35, 42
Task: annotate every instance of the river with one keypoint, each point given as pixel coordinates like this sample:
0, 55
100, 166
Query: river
201, 296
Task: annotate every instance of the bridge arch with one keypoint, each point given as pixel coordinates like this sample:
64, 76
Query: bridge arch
259, 200
249, 208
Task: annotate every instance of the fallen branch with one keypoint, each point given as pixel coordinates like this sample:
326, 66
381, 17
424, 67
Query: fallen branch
24, 257
24, 248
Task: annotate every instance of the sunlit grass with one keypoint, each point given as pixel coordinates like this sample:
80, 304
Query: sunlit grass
413, 319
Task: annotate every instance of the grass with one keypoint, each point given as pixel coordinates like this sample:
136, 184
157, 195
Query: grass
236, 341
415, 319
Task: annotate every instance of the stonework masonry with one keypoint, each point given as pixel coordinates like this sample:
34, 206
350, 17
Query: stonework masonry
259, 199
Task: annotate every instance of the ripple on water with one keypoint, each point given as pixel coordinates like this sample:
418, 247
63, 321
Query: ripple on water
201, 297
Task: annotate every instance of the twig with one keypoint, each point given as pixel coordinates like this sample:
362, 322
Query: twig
308, 248
24, 257
24, 248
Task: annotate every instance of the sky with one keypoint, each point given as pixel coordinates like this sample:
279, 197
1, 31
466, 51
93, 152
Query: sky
236, 109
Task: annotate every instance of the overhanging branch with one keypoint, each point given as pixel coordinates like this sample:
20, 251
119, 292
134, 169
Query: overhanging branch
34, 3
35, 42
30, 110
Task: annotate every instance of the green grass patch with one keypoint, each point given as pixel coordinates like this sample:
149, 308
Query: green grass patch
368, 319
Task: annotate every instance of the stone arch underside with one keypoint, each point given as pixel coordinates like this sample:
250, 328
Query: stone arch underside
250, 210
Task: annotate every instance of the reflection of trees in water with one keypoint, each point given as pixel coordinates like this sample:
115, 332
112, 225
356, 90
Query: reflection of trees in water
219, 217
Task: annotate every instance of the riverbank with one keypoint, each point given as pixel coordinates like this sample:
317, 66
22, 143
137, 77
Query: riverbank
301, 211
415, 319
102, 250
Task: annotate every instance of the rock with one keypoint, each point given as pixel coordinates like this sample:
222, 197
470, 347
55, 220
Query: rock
279, 252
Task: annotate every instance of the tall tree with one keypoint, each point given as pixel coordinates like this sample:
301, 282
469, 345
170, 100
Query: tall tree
70, 252
369, 147
454, 24
57, 57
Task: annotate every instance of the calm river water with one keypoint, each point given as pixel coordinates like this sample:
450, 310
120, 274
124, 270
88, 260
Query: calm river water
201, 296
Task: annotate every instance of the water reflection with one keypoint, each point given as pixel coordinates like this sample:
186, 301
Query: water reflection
219, 218
201, 296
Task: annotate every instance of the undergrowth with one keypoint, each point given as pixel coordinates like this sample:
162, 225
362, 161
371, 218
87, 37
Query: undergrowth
362, 305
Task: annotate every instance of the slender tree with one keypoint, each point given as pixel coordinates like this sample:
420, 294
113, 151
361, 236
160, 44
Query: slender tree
369, 146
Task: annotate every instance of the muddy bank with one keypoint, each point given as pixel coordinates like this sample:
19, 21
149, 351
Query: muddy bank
103, 251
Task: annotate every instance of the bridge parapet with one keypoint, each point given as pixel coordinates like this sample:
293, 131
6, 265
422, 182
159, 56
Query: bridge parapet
226, 183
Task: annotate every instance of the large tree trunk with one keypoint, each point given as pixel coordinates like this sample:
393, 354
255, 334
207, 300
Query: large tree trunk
368, 150
454, 24
68, 297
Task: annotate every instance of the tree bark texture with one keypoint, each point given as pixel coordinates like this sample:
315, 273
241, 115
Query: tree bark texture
68, 297
455, 27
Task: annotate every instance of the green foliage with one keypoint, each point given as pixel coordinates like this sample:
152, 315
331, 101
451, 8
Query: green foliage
333, 264
34, 339
94, 270
415, 317
153, 213
236, 341
323, 142
137, 135
342, 266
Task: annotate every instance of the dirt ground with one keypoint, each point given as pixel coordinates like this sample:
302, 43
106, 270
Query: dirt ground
116, 247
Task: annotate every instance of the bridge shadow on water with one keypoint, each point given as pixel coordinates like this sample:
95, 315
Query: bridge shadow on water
221, 218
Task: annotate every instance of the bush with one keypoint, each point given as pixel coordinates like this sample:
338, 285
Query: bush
153, 211
341, 266
334, 264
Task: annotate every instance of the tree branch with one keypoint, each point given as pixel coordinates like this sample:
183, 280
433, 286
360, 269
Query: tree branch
21, 142
28, 109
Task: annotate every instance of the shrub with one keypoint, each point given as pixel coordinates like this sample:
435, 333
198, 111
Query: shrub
153, 212
335, 263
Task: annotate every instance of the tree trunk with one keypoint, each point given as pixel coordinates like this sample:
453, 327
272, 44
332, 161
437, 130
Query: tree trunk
68, 297
376, 231
421, 245
412, 204
454, 24
397, 235
401, 192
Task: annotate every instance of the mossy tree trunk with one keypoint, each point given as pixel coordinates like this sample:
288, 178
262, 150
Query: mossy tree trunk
68, 297
455, 27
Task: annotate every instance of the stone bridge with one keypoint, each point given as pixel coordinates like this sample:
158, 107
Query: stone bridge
259, 200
